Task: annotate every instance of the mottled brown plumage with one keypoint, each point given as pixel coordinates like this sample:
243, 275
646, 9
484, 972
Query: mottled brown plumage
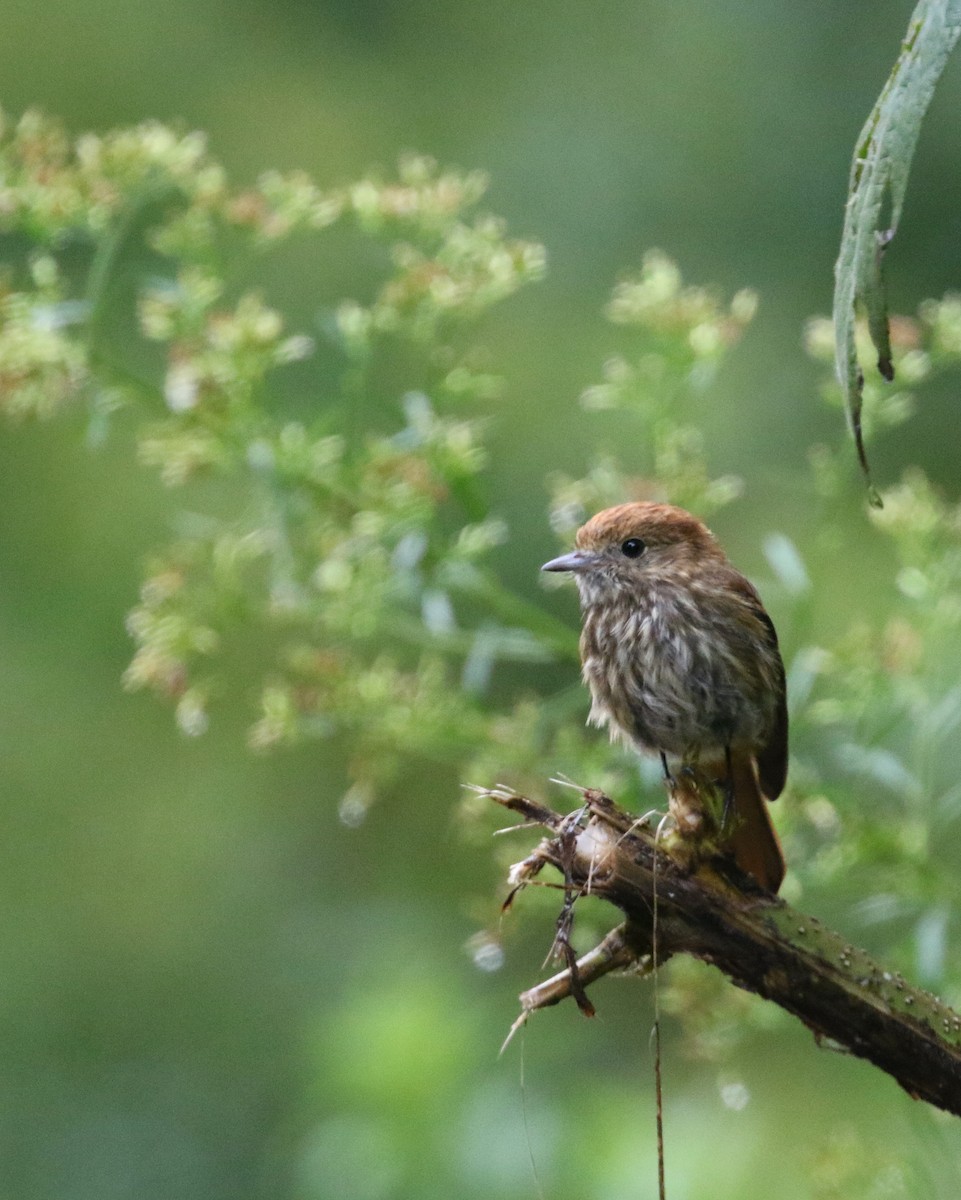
682, 660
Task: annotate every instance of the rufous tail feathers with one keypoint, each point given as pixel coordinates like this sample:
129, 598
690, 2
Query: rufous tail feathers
754, 842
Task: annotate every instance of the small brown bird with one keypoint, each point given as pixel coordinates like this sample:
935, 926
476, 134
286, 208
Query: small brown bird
683, 661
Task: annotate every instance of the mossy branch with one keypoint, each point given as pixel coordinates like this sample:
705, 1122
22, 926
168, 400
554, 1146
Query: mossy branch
710, 910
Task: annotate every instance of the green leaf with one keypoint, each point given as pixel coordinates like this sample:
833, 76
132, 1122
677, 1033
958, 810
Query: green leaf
879, 178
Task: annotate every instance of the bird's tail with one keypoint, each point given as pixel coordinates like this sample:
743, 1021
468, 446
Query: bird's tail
754, 842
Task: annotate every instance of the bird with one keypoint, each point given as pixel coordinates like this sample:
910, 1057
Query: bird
682, 661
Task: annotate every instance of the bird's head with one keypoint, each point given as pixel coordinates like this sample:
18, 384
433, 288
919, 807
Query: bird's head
623, 546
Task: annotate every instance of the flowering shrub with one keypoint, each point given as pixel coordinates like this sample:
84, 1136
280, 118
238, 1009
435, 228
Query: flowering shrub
352, 562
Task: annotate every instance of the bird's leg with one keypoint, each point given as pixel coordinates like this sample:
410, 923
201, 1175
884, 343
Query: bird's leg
728, 811
668, 778
684, 801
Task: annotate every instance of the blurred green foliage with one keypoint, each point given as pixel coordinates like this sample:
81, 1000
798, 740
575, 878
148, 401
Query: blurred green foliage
347, 429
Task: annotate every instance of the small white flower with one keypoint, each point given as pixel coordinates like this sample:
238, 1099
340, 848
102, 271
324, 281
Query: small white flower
181, 387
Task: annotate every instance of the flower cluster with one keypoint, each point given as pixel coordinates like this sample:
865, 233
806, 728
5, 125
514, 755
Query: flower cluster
679, 338
346, 560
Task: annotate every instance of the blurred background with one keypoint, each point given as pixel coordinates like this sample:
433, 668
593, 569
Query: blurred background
211, 988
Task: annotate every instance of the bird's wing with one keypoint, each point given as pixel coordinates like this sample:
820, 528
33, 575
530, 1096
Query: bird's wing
771, 757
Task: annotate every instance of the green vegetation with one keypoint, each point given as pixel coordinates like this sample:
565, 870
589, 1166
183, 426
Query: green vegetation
335, 429
356, 560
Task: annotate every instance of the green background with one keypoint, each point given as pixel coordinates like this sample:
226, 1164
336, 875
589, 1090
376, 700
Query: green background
212, 988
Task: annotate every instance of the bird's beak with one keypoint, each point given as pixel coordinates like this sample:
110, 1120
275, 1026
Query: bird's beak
577, 560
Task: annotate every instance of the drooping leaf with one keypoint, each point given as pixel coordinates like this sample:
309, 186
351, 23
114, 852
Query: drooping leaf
878, 182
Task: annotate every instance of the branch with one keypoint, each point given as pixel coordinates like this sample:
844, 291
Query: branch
713, 912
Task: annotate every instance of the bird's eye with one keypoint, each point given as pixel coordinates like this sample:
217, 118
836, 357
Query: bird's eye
633, 548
